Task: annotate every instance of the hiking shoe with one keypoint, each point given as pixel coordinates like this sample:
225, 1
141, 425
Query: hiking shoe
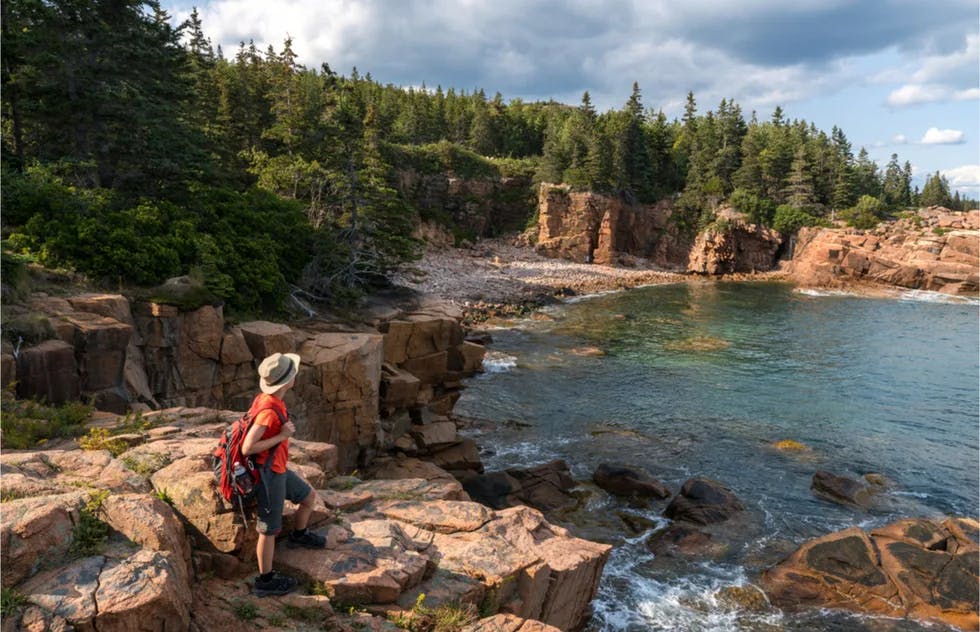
277, 585
308, 540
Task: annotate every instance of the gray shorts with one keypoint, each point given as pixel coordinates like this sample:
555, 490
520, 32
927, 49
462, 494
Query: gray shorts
271, 493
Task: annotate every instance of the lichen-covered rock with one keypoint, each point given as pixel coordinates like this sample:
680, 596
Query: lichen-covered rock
919, 569
142, 592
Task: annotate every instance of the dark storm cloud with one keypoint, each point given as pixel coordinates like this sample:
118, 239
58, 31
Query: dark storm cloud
776, 34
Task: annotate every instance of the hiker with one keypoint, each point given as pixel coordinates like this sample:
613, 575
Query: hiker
270, 434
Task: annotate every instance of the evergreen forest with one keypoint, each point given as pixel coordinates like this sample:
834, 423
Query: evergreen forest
134, 150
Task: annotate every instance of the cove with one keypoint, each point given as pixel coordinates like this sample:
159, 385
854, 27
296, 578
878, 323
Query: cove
702, 379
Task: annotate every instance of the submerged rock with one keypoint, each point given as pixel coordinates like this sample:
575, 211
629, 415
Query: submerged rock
627, 481
841, 490
704, 501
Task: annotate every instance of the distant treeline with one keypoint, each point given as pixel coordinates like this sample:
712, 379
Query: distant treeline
134, 151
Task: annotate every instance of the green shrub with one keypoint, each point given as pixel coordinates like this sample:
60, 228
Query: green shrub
13, 274
90, 534
11, 601
99, 439
789, 219
758, 209
28, 424
866, 214
245, 610
28, 329
244, 246
447, 617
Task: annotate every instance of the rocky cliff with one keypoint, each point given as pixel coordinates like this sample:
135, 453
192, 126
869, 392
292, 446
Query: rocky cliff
732, 245
142, 541
592, 228
476, 207
935, 249
145, 356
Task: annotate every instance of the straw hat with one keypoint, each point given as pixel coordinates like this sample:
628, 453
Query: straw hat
277, 370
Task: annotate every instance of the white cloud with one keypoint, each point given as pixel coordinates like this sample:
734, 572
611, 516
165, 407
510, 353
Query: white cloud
899, 139
943, 68
967, 95
964, 176
911, 94
936, 136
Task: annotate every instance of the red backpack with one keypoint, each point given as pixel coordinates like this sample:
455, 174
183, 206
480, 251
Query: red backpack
235, 474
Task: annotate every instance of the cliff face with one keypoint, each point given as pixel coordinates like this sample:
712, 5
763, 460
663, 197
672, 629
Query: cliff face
937, 250
592, 228
481, 208
151, 355
733, 246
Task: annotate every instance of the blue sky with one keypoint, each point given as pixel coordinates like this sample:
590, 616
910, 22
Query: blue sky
898, 76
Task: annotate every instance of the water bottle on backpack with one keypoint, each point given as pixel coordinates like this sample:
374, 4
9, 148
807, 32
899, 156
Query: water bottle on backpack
243, 480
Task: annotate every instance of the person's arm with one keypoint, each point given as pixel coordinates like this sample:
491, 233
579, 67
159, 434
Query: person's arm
253, 443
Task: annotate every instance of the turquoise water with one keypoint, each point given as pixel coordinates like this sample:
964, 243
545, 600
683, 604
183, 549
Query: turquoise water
701, 379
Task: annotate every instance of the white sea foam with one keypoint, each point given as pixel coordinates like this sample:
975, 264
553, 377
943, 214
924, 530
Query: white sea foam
629, 600
926, 296
809, 291
498, 362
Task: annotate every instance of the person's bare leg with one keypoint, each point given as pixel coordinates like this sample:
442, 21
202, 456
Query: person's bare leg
265, 549
304, 511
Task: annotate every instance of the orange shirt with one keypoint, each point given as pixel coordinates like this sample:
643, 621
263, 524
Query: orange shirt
272, 423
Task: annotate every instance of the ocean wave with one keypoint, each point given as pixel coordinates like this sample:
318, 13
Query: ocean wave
926, 296
629, 600
498, 362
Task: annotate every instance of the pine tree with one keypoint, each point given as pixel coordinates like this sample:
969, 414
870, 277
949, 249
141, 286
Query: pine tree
799, 188
935, 192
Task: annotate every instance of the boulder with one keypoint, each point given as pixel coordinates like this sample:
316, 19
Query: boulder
150, 523
508, 623
558, 588
544, 487
357, 571
413, 488
703, 501
36, 532
461, 456
441, 516
435, 436
336, 399
61, 471
627, 481
840, 490
399, 389
264, 338
497, 490
919, 569
679, 540
48, 371
408, 467
142, 592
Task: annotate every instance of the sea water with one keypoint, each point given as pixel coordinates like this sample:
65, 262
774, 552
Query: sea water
701, 379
